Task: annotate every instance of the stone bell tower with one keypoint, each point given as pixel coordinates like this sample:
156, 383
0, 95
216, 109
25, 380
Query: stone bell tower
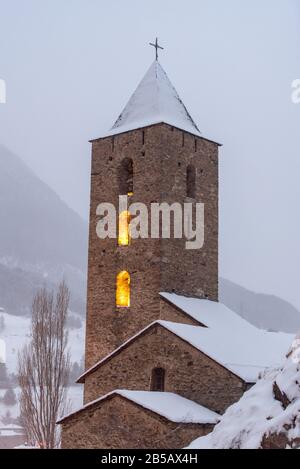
153, 153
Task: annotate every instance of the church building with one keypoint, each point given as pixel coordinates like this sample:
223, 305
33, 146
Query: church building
164, 359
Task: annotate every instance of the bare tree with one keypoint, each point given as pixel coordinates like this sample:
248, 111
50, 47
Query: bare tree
44, 367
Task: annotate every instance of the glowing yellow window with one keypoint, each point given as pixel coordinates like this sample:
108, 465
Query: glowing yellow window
123, 290
124, 229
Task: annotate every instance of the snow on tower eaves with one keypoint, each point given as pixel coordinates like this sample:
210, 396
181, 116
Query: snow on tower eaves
154, 101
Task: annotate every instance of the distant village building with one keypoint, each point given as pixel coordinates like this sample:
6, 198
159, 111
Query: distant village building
11, 436
163, 358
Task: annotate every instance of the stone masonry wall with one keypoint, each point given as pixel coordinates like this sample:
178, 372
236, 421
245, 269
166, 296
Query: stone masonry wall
169, 312
119, 424
190, 272
160, 157
189, 372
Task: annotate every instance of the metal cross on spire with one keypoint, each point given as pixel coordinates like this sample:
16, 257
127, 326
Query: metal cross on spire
156, 47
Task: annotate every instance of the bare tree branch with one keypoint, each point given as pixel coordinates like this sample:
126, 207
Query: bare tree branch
44, 368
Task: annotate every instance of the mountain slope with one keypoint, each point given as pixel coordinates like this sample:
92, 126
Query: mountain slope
264, 311
18, 287
41, 238
36, 225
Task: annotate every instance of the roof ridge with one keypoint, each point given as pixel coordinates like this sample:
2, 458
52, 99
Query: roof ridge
116, 350
155, 100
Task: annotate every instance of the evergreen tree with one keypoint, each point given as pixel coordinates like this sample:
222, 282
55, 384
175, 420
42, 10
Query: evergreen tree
4, 380
9, 398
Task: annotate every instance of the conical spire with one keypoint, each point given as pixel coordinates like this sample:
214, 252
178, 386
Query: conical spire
154, 101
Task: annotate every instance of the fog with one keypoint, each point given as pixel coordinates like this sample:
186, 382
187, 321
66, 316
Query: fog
70, 67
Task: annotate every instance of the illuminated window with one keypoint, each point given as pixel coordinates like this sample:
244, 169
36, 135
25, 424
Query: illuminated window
126, 177
158, 380
124, 228
123, 290
191, 182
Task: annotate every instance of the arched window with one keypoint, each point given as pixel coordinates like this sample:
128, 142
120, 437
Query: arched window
123, 290
124, 228
191, 182
158, 380
126, 177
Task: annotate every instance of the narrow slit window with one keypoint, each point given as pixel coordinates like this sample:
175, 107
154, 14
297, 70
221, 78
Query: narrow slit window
124, 228
158, 380
126, 177
191, 182
123, 290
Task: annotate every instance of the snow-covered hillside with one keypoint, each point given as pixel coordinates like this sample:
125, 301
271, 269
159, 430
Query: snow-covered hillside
37, 226
41, 239
15, 334
267, 416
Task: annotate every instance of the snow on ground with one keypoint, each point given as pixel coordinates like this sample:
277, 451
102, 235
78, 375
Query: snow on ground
261, 414
10, 430
16, 334
75, 396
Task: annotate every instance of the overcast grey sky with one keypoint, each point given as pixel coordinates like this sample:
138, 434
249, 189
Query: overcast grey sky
71, 65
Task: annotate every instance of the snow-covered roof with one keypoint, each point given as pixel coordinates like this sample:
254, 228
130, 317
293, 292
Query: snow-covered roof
209, 313
154, 101
169, 405
229, 339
